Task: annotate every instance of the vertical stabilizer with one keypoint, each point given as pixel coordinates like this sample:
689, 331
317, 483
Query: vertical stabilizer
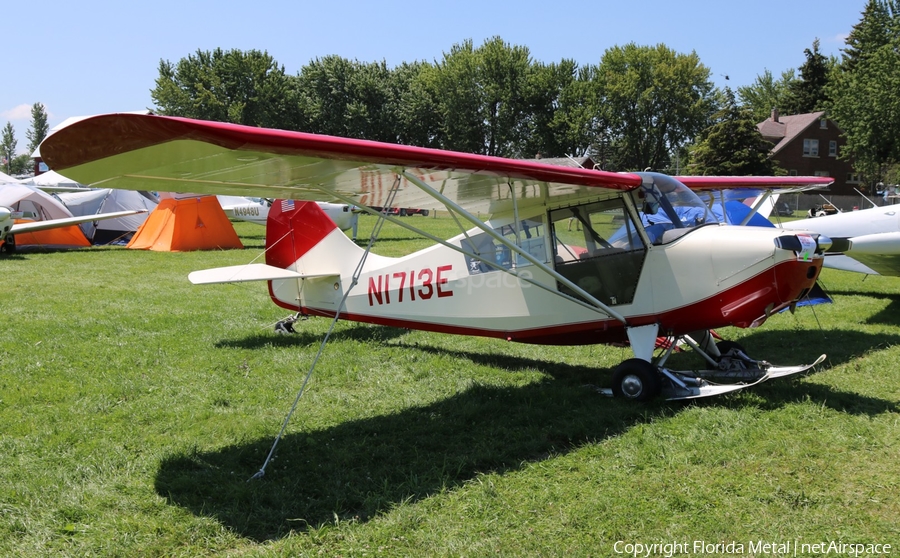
293, 229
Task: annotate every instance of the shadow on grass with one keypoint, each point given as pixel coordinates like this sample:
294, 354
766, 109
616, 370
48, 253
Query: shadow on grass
22, 252
360, 468
774, 393
795, 347
890, 315
356, 332
790, 348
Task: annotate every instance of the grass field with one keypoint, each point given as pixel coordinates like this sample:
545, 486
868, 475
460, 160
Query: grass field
134, 407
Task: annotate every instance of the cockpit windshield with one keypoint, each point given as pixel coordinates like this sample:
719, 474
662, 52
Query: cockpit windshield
666, 204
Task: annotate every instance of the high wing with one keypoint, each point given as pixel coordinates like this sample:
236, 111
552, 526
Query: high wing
761, 182
147, 152
765, 189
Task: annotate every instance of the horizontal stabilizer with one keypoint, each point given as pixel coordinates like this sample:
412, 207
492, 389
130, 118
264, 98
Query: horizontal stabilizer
241, 273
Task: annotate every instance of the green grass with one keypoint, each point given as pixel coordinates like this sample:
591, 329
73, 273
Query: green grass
134, 407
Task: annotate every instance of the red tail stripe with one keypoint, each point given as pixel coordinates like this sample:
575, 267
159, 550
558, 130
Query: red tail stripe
293, 229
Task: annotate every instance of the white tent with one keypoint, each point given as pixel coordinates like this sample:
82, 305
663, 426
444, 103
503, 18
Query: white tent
22, 197
106, 200
51, 180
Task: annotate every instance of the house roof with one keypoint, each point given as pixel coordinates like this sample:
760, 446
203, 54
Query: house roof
781, 130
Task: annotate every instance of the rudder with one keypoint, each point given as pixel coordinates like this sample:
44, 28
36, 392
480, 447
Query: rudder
293, 228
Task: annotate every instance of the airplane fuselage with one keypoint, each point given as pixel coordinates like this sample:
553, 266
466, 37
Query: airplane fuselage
713, 276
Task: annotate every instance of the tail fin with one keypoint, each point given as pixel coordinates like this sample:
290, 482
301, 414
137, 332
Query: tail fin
293, 229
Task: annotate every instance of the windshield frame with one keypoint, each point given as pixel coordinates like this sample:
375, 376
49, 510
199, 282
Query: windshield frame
664, 203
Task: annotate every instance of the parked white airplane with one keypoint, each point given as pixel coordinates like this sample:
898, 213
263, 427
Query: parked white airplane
256, 210
9, 228
864, 241
33, 221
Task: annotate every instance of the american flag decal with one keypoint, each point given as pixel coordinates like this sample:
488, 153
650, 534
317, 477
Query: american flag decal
287, 205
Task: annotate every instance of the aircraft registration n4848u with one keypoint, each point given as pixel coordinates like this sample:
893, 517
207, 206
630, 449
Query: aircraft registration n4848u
645, 258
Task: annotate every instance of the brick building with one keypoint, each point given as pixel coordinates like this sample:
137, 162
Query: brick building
809, 145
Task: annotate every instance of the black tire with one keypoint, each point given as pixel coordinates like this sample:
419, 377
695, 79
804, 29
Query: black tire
636, 380
424, 213
9, 245
402, 213
726, 346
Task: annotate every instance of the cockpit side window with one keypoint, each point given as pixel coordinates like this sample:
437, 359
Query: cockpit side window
593, 230
480, 248
597, 247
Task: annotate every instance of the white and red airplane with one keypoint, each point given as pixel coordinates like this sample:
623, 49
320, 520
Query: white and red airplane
646, 258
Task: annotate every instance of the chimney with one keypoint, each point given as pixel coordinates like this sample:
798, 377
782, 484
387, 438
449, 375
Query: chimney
774, 115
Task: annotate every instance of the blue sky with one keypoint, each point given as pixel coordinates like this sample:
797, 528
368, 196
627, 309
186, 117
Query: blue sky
91, 57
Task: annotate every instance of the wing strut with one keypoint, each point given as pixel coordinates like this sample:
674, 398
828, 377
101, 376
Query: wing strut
353, 282
502, 240
756, 205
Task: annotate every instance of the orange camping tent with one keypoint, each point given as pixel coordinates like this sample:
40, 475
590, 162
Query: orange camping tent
62, 237
183, 225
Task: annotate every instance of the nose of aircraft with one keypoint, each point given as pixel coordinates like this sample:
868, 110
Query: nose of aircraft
802, 242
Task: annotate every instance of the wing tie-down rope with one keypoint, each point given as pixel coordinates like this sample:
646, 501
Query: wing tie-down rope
376, 230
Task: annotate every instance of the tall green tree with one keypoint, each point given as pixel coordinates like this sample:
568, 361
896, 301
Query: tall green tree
348, 98
39, 127
8, 146
863, 90
809, 93
732, 146
482, 97
652, 101
460, 100
418, 110
766, 93
562, 110
872, 32
227, 86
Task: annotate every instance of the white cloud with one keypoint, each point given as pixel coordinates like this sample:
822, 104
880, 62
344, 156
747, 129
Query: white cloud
21, 112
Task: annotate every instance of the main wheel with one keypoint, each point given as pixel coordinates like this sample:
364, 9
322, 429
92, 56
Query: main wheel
637, 380
9, 246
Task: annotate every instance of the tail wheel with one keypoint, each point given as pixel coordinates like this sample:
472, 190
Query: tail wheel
637, 380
